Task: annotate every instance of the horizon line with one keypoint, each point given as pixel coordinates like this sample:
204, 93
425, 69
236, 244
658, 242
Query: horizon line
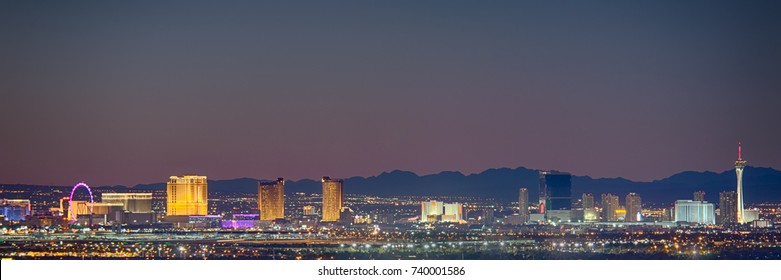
401, 170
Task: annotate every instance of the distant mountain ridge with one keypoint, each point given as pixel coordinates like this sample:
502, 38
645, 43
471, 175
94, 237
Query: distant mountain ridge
761, 184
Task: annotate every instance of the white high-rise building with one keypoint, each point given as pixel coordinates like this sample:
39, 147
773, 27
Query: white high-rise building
452, 212
634, 208
739, 164
699, 212
430, 211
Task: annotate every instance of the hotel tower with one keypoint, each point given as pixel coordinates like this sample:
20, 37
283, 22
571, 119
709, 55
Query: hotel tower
271, 199
333, 199
739, 164
187, 196
523, 204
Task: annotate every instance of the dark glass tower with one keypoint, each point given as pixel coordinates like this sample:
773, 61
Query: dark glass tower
728, 207
556, 190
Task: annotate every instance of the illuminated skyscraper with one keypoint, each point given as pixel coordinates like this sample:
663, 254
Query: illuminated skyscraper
453, 212
609, 207
589, 209
333, 199
431, 211
588, 200
187, 196
523, 204
699, 196
739, 164
15, 209
694, 212
633, 208
728, 207
271, 199
556, 195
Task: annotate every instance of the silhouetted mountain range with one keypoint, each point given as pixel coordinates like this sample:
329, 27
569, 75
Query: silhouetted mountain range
760, 185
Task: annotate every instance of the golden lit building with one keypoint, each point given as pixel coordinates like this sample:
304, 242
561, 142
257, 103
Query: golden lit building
64, 206
333, 199
620, 214
98, 208
131, 202
309, 210
187, 195
271, 199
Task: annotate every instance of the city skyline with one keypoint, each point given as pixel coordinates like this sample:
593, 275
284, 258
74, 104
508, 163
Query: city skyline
188, 196
271, 205
630, 90
710, 181
140, 223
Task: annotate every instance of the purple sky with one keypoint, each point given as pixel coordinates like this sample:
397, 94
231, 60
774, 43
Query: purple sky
116, 94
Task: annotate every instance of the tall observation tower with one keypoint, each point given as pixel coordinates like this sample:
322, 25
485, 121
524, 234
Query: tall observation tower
739, 164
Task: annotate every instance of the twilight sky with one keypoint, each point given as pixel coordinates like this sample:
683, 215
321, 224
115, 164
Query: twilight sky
135, 92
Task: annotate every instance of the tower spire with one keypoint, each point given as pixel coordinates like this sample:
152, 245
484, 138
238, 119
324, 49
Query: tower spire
740, 152
739, 165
